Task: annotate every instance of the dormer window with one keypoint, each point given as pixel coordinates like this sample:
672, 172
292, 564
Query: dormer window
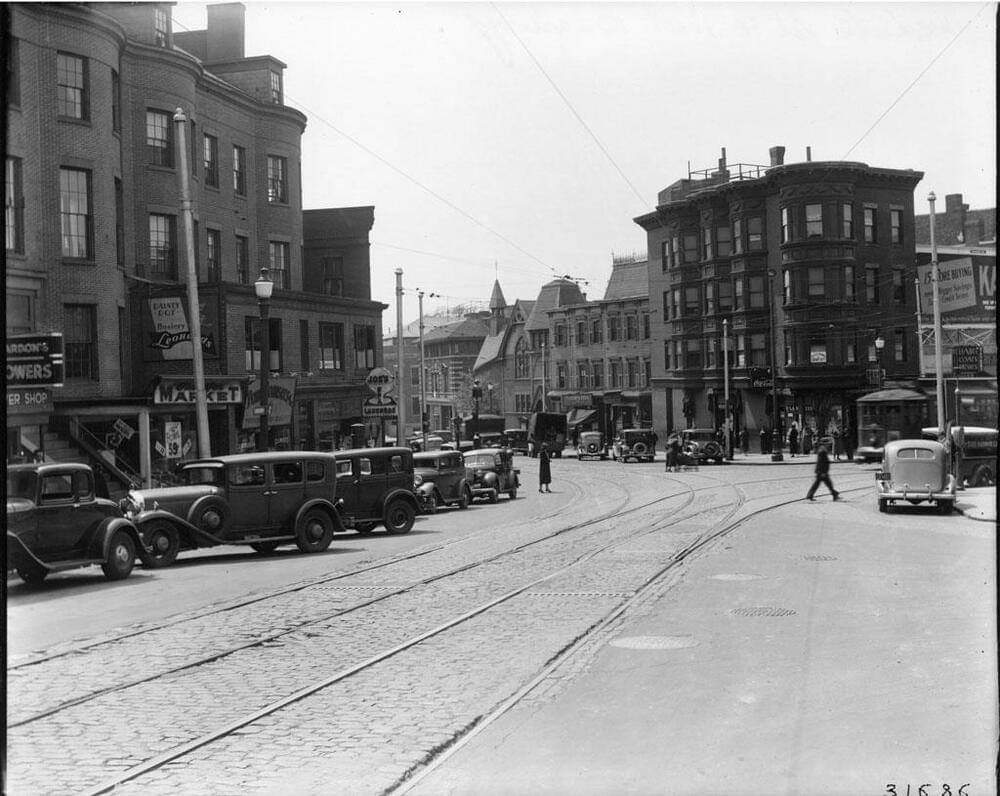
161, 28
276, 97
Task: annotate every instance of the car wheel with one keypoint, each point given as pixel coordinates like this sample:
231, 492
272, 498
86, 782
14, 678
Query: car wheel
265, 548
882, 505
32, 574
399, 516
431, 503
494, 497
512, 493
162, 542
365, 528
945, 506
211, 517
121, 557
314, 532
466, 499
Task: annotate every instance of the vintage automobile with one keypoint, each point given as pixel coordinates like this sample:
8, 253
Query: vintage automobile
915, 470
56, 521
702, 444
422, 442
590, 445
516, 439
264, 500
375, 486
492, 472
637, 444
440, 479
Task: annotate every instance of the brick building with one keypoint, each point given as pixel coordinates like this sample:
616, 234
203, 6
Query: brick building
805, 265
96, 239
600, 354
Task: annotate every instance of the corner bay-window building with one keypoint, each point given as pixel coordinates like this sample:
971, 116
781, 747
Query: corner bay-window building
800, 268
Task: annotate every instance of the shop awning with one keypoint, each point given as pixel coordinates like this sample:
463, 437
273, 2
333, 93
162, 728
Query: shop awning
579, 416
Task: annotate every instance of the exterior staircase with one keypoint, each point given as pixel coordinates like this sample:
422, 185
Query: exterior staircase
61, 447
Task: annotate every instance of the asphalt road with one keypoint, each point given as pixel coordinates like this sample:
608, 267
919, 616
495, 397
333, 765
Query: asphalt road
485, 651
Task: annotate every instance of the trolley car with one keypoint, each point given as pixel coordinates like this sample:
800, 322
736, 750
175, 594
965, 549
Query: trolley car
888, 415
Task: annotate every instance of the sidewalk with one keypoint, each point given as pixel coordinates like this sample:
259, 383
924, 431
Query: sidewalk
978, 503
826, 649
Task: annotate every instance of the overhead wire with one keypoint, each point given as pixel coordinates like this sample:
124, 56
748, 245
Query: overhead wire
569, 105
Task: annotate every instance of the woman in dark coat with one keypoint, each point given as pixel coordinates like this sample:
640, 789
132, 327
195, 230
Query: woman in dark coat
544, 471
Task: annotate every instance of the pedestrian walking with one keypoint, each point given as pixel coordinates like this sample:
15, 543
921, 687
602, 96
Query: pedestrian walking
822, 474
544, 470
793, 440
745, 441
807, 441
673, 450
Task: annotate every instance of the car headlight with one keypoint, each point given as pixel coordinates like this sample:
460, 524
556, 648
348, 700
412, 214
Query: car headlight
132, 504
417, 480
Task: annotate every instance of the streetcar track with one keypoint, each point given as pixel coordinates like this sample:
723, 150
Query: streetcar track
242, 602
703, 539
270, 638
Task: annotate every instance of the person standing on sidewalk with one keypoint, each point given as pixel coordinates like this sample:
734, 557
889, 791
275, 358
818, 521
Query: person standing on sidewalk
544, 471
822, 474
793, 440
673, 449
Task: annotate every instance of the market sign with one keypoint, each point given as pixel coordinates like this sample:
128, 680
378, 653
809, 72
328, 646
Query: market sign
182, 391
967, 360
35, 360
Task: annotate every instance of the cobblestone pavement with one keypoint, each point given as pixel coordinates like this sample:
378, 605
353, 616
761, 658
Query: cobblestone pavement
366, 732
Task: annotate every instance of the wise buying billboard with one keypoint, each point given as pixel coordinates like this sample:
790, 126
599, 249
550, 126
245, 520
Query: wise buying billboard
967, 287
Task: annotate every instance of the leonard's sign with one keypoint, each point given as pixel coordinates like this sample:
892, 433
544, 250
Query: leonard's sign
166, 332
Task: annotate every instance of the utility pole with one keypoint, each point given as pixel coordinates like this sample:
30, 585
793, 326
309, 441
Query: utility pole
423, 393
725, 378
938, 365
194, 307
401, 380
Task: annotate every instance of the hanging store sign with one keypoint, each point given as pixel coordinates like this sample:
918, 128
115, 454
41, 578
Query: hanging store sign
280, 398
29, 399
182, 391
35, 360
381, 406
167, 332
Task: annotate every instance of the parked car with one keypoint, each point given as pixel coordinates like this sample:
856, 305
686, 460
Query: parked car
915, 470
702, 444
590, 445
375, 486
56, 521
638, 444
264, 500
440, 479
420, 442
492, 472
516, 439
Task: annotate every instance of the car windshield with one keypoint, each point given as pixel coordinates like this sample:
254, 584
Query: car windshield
195, 475
482, 460
21, 483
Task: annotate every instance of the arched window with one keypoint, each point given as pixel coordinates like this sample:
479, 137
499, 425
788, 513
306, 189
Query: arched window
521, 367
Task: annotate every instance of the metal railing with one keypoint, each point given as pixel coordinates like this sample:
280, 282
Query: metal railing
91, 444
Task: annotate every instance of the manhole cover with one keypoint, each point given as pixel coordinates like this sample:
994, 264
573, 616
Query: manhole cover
735, 576
654, 642
762, 610
820, 558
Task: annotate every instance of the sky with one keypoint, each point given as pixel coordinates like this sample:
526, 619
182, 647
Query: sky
518, 141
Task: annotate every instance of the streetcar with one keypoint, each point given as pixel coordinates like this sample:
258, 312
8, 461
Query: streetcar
887, 415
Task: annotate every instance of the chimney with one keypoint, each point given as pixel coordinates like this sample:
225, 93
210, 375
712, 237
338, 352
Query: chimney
226, 32
809, 154
953, 203
777, 155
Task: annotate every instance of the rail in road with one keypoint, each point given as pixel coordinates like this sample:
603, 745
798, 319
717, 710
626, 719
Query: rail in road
246, 680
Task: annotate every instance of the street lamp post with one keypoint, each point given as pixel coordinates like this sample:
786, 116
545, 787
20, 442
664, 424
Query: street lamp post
958, 404
776, 455
880, 374
263, 288
477, 393
725, 378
